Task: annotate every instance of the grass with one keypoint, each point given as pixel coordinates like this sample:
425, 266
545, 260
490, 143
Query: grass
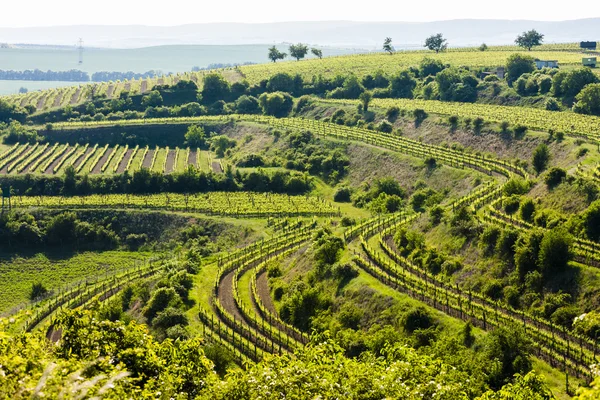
181, 160
160, 161
55, 270
138, 159
116, 159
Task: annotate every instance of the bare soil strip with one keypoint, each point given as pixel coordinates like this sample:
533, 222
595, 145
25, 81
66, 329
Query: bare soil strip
75, 96
226, 296
124, 161
193, 158
170, 165
262, 289
109, 91
40, 103
58, 99
98, 167
144, 87
44, 154
82, 157
147, 163
50, 169
216, 166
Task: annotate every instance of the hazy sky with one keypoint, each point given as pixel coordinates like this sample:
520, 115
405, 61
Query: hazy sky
178, 12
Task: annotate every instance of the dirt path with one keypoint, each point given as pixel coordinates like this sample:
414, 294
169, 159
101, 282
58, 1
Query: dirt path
144, 87
58, 99
262, 289
50, 169
216, 167
147, 163
109, 91
125, 161
170, 165
98, 167
40, 103
75, 96
82, 157
226, 296
193, 158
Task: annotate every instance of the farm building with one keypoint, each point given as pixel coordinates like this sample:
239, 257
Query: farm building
499, 72
546, 64
588, 45
589, 62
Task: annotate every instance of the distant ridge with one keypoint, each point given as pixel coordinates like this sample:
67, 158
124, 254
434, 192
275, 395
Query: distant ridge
326, 33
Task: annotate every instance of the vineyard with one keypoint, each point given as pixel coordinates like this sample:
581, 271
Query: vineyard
363, 64
93, 159
242, 204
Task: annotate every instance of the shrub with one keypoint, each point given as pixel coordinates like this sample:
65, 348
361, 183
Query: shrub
554, 177
385, 126
541, 157
552, 105
527, 210
342, 195
37, 290
392, 113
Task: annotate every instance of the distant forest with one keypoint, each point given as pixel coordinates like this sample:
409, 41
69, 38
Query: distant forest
74, 75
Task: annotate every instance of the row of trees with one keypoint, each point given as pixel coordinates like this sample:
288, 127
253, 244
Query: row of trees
297, 51
438, 43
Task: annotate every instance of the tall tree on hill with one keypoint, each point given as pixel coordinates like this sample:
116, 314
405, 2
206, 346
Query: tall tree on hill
436, 43
529, 39
275, 54
317, 52
387, 45
298, 51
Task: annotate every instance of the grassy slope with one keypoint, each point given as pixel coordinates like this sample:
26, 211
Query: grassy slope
55, 270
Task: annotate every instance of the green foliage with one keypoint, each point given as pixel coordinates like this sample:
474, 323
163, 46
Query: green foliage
588, 100
517, 65
247, 105
195, 136
214, 87
275, 54
555, 251
527, 210
152, 99
402, 85
436, 43
298, 51
529, 39
17, 133
342, 195
568, 84
541, 158
37, 291
509, 349
219, 144
591, 220
554, 177
278, 104
161, 299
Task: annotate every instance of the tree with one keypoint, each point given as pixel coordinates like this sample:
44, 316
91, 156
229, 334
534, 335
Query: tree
365, 99
591, 220
555, 251
214, 87
152, 99
37, 291
220, 144
278, 104
402, 85
275, 54
568, 84
436, 43
541, 157
529, 39
483, 47
588, 100
298, 51
195, 136
247, 105
387, 45
517, 65
317, 52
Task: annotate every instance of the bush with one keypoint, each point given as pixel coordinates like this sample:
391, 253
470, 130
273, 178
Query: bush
517, 65
552, 105
541, 157
278, 104
527, 210
347, 221
385, 126
416, 318
392, 113
342, 195
419, 115
554, 177
37, 291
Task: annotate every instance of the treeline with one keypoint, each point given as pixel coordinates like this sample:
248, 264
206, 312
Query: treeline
106, 76
148, 182
72, 75
220, 66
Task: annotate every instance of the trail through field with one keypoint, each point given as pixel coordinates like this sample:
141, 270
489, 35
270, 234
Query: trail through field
75, 96
82, 157
127, 87
147, 163
98, 167
216, 166
262, 289
125, 161
109, 91
170, 165
40, 103
144, 87
193, 158
50, 169
58, 99
226, 296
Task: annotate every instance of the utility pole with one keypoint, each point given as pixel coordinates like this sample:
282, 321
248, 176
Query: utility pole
80, 48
